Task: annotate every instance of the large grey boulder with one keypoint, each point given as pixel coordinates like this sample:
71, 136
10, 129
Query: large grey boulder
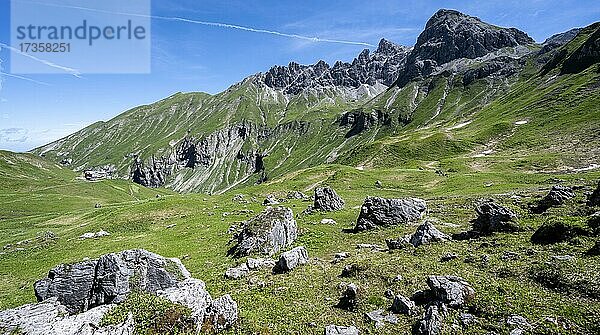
377, 212
326, 199
492, 217
451, 290
349, 298
403, 305
427, 233
109, 279
557, 196
52, 318
341, 330
112, 278
289, 260
267, 233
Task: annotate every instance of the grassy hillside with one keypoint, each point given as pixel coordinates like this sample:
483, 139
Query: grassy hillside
288, 303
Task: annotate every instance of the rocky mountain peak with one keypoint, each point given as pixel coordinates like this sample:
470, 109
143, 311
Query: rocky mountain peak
380, 67
451, 35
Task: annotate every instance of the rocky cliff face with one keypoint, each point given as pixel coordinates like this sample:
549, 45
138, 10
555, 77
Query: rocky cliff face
451, 35
381, 67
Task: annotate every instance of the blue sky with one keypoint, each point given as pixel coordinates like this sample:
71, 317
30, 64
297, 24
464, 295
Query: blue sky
192, 57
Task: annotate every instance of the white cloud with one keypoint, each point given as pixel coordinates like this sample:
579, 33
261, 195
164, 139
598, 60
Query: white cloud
8, 135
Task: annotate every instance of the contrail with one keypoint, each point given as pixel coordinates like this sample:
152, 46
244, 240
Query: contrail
23, 78
212, 24
69, 70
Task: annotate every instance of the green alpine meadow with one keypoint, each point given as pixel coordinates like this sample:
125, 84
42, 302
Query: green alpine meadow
449, 187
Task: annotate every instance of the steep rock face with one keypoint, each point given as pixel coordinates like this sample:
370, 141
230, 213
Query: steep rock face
586, 55
380, 67
241, 146
558, 40
451, 35
359, 121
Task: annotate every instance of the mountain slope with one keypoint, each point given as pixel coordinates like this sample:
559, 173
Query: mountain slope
458, 94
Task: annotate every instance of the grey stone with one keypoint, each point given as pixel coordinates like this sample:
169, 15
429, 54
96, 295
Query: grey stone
493, 217
379, 317
448, 257
267, 233
109, 279
349, 298
258, 263
52, 318
427, 233
326, 199
403, 305
432, 321
399, 243
341, 330
557, 196
222, 314
270, 200
289, 260
237, 272
452, 290
377, 212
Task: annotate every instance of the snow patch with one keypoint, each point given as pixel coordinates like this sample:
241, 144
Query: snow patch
460, 125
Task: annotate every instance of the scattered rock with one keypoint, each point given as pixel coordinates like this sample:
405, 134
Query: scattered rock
452, 290
328, 221
99, 234
492, 218
109, 279
349, 298
557, 196
399, 243
222, 314
289, 260
509, 255
97, 206
171, 226
380, 318
270, 201
237, 272
377, 212
258, 263
403, 305
341, 330
350, 270
427, 233
432, 321
594, 199
518, 321
378, 184
555, 230
340, 256
389, 294
326, 199
448, 257
397, 278
369, 246
267, 233
297, 195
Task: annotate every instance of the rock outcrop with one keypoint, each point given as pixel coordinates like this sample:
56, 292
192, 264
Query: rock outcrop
267, 233
492, 217
586, 55
359, 121
557, 196
451, 35
427, 233
381, 68
451, 290
326, 199
74, 298
349, 298
403, 305
432, 321
376, 212
289, 260
555, 230
109, 279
